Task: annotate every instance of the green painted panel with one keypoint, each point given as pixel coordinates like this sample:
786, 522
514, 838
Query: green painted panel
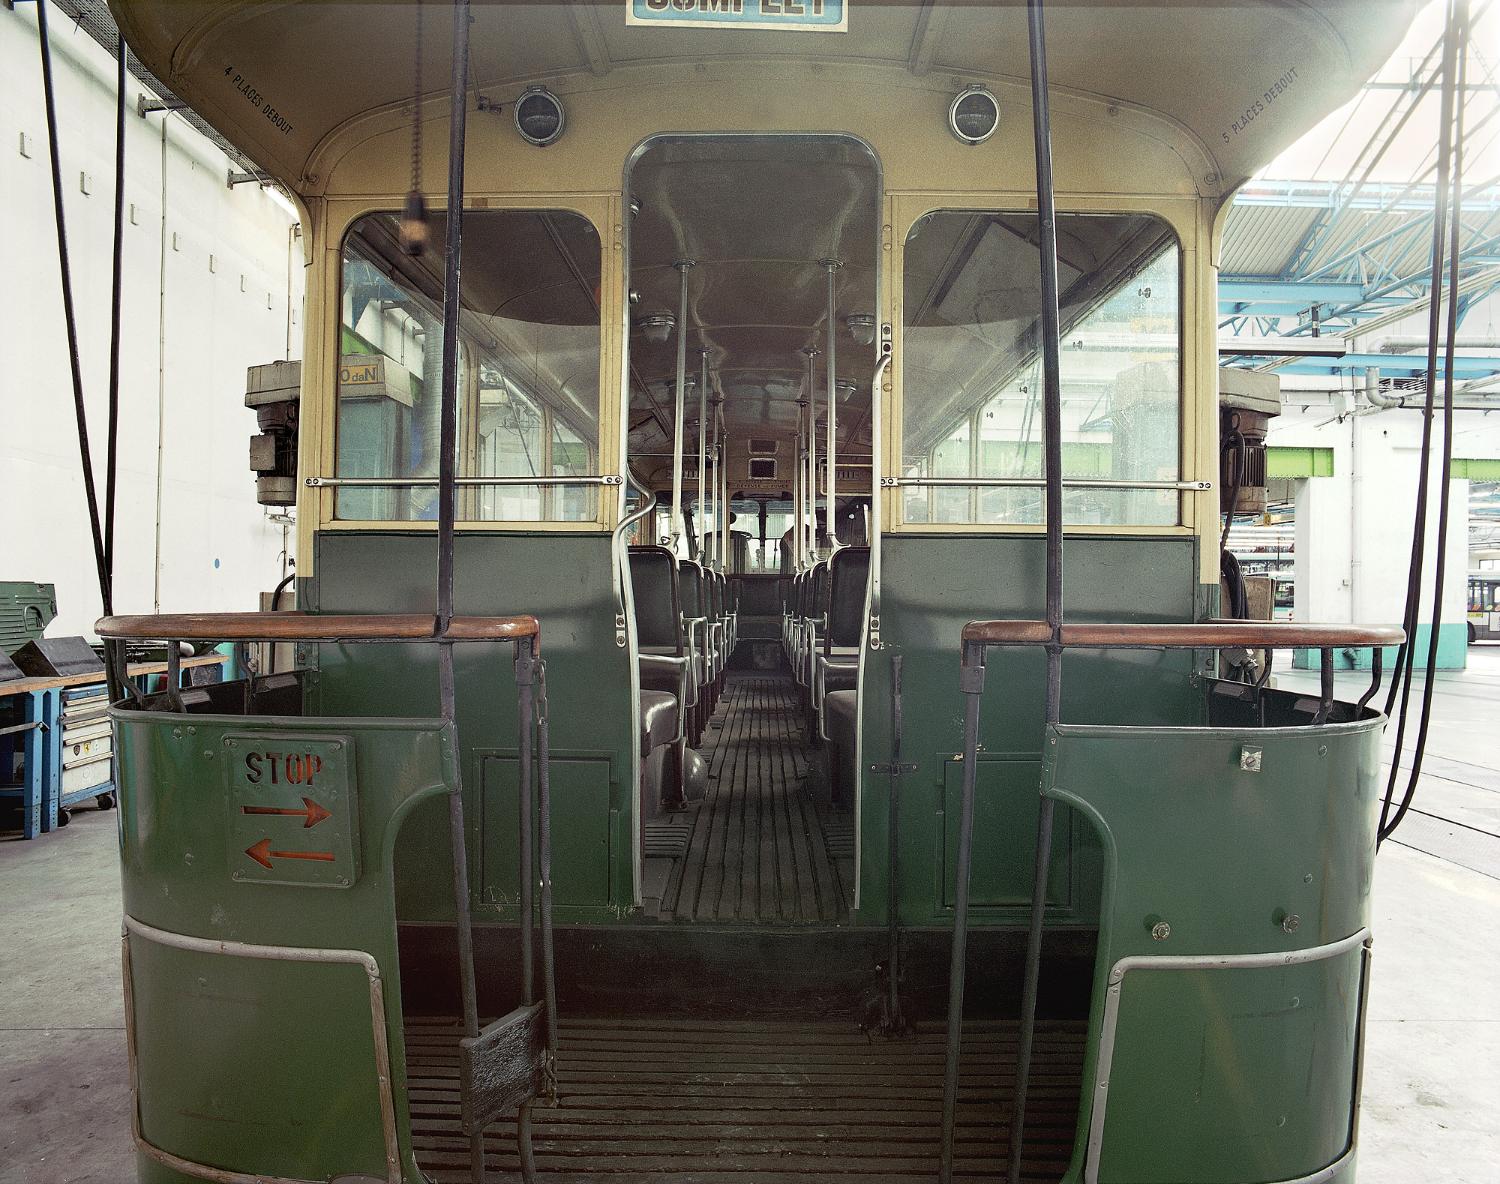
581, 827
1006, 802
563, 579
1283, 463
1475, 468
989, 575
1249, 1070
267, 1067
1206, 1063
249, 1064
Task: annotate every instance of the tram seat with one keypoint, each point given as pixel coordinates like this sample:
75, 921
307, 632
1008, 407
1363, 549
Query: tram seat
836, 668
814, 619
665, 669
791, 590
696, 636
659, 722
841, 719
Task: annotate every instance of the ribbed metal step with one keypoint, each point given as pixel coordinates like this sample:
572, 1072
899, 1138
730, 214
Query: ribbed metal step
757, 1103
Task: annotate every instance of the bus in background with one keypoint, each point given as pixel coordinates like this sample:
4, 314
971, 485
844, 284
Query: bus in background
1484, 606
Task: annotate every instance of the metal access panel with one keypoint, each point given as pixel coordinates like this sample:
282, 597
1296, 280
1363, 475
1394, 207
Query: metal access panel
292, 809
26, 609
58, 657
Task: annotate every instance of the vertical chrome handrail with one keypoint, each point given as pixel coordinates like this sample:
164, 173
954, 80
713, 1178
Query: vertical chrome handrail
877, 518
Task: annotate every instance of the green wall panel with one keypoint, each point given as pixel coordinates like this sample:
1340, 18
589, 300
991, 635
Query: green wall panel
564, 580
988, 575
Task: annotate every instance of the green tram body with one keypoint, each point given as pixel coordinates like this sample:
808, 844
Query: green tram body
269, 1006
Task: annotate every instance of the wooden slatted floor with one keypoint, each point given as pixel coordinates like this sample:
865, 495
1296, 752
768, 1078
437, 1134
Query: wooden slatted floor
758, 850
757, 1103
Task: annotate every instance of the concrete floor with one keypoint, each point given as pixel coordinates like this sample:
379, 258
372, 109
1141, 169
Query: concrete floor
1432, 1077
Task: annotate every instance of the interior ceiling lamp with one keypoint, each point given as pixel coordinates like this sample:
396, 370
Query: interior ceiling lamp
657, 327
539, 117
845, 388
974, 115
861, 327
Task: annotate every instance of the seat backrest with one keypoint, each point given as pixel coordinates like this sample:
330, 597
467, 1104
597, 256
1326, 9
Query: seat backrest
653, 579
690, 589
715, 594
817, 603
849, 572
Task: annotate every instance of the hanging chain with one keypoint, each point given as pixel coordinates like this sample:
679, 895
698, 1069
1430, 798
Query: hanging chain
414, 213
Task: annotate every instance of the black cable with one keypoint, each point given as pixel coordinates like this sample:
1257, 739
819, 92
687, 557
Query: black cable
1406, 653
70, 322
1445, 498
1236, 440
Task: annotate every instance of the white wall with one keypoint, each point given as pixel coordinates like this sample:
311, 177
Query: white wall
211, 288
1354, 528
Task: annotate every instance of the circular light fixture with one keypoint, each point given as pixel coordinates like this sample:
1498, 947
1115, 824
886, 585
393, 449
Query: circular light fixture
657, 327
974, 115
539, 117
845, 389
861, 327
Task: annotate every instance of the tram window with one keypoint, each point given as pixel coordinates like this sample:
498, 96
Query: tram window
528, 375
972, 388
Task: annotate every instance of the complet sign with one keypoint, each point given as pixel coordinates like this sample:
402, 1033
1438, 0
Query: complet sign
806, 16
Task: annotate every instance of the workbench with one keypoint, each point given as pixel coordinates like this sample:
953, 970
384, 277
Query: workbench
44, 707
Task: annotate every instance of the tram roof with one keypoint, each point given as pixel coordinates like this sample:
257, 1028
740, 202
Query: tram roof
314, 67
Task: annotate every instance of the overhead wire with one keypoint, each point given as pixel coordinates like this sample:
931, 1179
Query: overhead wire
1459, 30
99, 529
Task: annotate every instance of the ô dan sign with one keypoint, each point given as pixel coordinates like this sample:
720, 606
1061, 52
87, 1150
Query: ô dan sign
805, 16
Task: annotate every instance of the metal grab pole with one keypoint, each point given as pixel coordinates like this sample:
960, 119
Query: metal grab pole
705, 535
683, 266
831, 447
447, 507
721, 435
972, 684
797, 535
810, 461
525, 677
1052, 456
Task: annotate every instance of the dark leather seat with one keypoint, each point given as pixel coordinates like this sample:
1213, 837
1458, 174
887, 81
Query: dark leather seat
841, 719
669, 677
658, 719
836, 667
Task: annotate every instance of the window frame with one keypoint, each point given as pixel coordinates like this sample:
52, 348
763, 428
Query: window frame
601, 211
1182, 220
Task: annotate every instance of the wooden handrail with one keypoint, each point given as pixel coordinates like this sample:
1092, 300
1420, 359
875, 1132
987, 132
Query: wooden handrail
298, 626
1213, 634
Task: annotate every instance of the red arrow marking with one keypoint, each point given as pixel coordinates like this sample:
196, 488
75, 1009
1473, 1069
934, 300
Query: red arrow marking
311, 811
262, 854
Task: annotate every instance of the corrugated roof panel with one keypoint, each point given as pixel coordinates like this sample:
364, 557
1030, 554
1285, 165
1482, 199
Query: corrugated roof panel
1259, 238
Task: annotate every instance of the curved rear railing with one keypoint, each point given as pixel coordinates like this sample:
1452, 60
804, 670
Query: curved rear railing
509, 1063
977, 638
1214, 634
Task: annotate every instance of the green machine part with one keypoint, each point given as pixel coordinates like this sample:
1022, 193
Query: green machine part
1233, 946
261, 971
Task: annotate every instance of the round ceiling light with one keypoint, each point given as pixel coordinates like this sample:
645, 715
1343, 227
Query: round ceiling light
657, 327
974, 115
539, 117
861, 327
